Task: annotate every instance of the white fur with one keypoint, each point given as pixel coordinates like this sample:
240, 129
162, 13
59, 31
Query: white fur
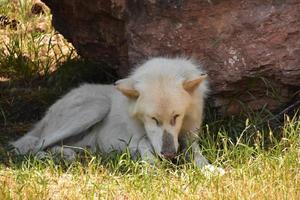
104, 119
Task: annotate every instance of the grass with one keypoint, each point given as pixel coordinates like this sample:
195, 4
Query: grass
258, 166
32, 49
261, 158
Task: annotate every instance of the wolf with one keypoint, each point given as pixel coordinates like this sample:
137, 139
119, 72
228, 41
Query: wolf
156, 110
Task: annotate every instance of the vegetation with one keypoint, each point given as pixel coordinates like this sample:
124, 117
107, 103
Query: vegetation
259, 151
258, 166
30, 48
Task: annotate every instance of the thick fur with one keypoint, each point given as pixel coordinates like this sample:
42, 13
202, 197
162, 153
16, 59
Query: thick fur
156, 110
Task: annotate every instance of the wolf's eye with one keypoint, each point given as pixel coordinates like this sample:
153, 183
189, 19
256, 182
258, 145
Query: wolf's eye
173, 120
156, 121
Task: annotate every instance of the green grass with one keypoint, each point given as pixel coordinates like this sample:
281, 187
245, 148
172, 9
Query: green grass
258, 166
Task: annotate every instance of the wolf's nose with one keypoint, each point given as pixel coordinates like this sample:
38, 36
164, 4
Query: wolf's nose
168, 155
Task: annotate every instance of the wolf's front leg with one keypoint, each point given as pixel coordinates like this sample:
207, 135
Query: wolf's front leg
65, 152
193, 153
146, 151
199, 159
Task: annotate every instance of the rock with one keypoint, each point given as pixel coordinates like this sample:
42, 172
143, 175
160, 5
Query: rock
251, 49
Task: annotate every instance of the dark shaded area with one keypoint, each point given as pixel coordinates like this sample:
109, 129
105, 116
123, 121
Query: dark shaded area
76, 71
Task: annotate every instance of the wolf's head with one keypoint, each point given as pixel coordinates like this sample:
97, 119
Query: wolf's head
164, 94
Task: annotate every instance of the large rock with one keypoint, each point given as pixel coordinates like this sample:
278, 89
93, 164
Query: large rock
251, 49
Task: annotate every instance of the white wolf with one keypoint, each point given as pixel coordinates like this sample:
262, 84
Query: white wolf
156, 110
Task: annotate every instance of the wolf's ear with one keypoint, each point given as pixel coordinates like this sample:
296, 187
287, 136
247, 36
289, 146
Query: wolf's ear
127, 88
191, 84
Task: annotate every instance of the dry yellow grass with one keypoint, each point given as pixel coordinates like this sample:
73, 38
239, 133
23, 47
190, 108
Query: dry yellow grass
252, 172
264, 177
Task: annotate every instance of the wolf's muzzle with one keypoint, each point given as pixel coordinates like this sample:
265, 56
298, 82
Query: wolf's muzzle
168, 147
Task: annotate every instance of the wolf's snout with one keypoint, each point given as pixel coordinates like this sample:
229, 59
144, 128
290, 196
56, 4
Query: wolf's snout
168, 155
168, 147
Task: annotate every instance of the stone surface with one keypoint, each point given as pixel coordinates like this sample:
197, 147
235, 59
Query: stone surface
251, 49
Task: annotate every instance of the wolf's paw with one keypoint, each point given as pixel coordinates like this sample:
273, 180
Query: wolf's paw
25, 144
65, 152
151, 159
211, 170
